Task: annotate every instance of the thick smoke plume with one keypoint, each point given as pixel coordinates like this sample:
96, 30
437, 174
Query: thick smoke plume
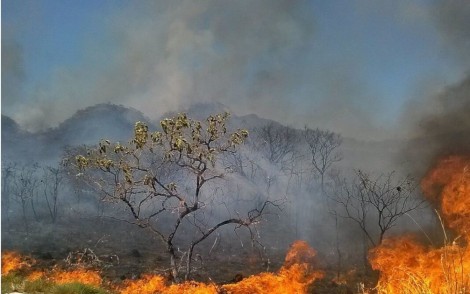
157, 56
442, 126
259, 57
449, 126
440, 119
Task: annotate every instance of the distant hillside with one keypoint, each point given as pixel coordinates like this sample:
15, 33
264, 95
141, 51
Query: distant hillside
17, 144
90, 125
85, 127
9, 126
113, 122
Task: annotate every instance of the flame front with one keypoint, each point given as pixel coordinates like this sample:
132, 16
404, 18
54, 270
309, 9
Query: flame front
295, 276
150, 284
88, 277
449, 183
12, 261
408, 267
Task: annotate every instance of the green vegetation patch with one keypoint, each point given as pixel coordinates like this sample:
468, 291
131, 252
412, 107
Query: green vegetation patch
15, 282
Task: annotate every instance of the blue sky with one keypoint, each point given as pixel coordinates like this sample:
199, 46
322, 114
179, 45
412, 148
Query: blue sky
349, 66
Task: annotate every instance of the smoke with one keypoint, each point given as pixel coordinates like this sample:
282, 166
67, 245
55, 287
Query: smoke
440, 116
12, 71
453, 21
258, 57
445, 127
157, 56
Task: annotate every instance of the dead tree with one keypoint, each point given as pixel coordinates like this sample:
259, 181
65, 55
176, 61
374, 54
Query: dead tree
323, 146
52, 184
8, 173
24, 189
161, 179
376, 204
276, 142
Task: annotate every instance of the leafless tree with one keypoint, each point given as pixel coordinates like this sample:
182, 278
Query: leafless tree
236, 162
275, 141
323, 146
164, 180
52, 185
8, 173
376, 204
24, 189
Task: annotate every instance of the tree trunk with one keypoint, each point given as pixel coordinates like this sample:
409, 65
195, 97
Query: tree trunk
338, 251
36, 217
381, 237
174, 266
25, 219
188, 262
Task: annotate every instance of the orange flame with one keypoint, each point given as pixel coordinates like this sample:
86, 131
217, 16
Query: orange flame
12, 261
449, 182
406, 266
192, 288
295, 276
36, 275
83, 276
150, 284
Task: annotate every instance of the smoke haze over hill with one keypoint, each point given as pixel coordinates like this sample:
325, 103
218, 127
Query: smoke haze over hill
283, 60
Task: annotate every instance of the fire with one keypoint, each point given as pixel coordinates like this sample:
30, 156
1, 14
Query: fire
295, 276
148, 284
83, 276
449, 182
12, 261
193, 288
36, 275
408, 267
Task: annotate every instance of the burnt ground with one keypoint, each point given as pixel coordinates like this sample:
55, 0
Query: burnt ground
122, 252
125, 252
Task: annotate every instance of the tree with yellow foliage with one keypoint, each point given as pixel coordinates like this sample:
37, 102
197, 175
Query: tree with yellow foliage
161, 179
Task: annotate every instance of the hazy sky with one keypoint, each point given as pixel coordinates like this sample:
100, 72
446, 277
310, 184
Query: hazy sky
352, 66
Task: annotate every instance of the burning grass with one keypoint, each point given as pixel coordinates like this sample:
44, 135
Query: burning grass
295, 276
82, 276
18, 275
408, 267
12, 261
150, 284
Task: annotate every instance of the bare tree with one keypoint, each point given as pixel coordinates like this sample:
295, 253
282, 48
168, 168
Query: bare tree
8, 174
163, 179
376, 204
52, 184
275, 141
24, 189
236, 162
323, 146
